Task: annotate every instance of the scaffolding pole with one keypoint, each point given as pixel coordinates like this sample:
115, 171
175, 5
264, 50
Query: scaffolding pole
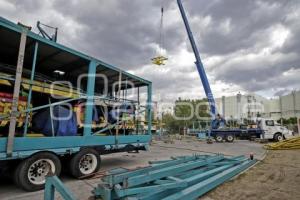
15, 99
119, 96
30, 86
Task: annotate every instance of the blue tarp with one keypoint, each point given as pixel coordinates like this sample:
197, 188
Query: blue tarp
116, 113
64, 122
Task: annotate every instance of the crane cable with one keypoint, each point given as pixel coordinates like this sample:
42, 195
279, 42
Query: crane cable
161, 35
159, 59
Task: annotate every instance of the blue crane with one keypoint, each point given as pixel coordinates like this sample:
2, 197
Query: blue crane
199, 64
217, 123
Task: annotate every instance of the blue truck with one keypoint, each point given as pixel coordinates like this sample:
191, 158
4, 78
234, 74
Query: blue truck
60, 108
227, 134
230, 134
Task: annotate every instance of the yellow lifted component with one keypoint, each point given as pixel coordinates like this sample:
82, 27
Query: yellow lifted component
159, 60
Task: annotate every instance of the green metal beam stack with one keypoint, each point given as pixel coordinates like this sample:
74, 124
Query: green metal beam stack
186, 177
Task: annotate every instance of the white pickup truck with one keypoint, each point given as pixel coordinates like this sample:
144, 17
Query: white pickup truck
273, 130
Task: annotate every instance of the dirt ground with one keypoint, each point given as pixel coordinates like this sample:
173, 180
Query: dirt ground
275, 177
159, 150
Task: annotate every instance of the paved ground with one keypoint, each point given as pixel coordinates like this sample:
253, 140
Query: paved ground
158, 151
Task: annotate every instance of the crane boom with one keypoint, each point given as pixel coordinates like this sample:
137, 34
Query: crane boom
199, 64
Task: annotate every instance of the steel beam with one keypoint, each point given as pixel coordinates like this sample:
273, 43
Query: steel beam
183, 184
15, 100
168, 171
149, 107
202, 187
122, 192
90, 98
178, 181
118, 178
30, 86
191, 180
52, 183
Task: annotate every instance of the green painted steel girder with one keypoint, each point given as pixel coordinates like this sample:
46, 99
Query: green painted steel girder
52, 184
121, 192
204, 186
118, 178
189, 179
168, 171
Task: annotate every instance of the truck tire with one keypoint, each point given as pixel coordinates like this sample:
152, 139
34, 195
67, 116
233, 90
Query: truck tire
229, 138
209, 140
86, 162
30, 174
219, 138
278, 137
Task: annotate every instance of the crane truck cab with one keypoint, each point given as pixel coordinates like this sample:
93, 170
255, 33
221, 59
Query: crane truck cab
273, 130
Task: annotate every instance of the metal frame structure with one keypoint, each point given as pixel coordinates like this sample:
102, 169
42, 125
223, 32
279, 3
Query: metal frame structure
52, 184
12, 147
45, 34
183, 177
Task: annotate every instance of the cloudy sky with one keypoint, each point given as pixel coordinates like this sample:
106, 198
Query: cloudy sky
245, 45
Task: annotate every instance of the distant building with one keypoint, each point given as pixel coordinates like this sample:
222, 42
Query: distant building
250, 106
290, 105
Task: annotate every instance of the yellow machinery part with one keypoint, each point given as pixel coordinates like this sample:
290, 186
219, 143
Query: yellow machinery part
159, 60
293, 143
42, 87
5, 82
34, 135
57, 91
5, 108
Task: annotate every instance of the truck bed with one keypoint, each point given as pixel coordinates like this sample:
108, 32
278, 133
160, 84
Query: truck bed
237, 132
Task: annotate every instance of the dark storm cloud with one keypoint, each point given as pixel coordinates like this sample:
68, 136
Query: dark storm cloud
241, 33
292, 21
119, 31
250, 24
247, 22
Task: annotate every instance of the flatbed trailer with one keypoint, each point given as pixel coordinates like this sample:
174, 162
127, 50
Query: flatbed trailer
30, 156
229, 134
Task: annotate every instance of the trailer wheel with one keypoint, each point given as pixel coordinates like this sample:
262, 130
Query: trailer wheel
229, 138
219, 138
30, 174
85, 162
